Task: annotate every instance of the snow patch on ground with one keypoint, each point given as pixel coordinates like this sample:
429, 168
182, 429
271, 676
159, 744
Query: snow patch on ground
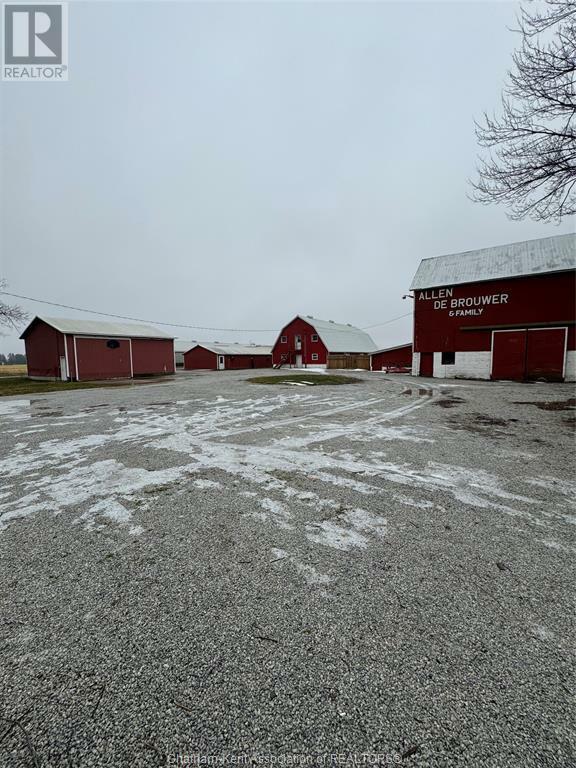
310, 575
111, 510
206, 484
274, 511
542, 632
349, 531
103, 479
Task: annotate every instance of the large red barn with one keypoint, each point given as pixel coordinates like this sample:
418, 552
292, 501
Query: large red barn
498, 313
80, 350
218, 356
307, 342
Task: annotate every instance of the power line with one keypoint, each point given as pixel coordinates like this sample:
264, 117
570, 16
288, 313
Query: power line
139, 319
392, 319
176, 325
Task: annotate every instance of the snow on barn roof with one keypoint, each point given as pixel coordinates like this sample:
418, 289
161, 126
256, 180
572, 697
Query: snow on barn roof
221, 348
340, 337
99, 328
530, 257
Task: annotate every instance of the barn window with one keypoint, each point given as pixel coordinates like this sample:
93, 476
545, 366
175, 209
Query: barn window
448, 358
112, 344
283, 339
314, 355
314, 337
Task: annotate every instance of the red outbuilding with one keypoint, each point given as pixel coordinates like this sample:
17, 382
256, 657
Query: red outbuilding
220, 357
307, 342
80, 350
498, 313
393, 359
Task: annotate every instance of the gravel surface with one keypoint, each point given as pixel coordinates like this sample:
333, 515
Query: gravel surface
208, 571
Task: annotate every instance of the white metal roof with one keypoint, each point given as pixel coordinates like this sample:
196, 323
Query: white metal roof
100, 328
391, 349
531, 257
183, 345
340, 337
220, 348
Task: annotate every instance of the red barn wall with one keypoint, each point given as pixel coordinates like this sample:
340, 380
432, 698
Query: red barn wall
152, 356
463, 319
238, 362
393, 358
306, 331
44, 347
438, 325
200, 359
203, 359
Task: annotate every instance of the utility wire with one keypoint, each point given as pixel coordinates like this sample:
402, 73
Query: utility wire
176, 325
392, 319
139, 319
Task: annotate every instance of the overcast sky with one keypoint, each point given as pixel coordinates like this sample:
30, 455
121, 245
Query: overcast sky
233, 165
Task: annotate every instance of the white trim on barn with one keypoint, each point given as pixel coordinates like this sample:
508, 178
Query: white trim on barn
68, 375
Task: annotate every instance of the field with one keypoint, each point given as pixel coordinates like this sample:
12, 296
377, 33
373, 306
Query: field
382, 572
13, 370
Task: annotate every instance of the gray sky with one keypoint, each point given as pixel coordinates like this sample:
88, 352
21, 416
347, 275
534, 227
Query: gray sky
233, 165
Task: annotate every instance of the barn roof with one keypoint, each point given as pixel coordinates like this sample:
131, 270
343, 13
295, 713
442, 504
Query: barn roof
183, 345
530, 257
408, 345
340, 337
99, 328
220, 348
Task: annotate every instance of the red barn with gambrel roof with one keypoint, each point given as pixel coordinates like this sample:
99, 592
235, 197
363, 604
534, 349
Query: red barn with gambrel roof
307, 342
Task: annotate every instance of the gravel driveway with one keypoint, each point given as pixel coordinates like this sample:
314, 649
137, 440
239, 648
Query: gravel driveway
206, 571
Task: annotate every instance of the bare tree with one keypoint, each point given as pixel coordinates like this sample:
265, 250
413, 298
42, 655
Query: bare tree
11, 316
531, 163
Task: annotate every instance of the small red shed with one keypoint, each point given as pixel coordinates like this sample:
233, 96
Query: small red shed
220, 357
393, 359
506, 312
80, 350
307, 342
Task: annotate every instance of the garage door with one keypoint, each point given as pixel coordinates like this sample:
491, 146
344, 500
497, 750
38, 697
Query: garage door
545, 354
100, 358
528, 354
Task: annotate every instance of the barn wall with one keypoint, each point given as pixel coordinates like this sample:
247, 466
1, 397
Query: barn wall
393, 358
151, 357
200, 359
44, 346
467, 365
461, 319
309, 347
570, 374
238, 362
440, 324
